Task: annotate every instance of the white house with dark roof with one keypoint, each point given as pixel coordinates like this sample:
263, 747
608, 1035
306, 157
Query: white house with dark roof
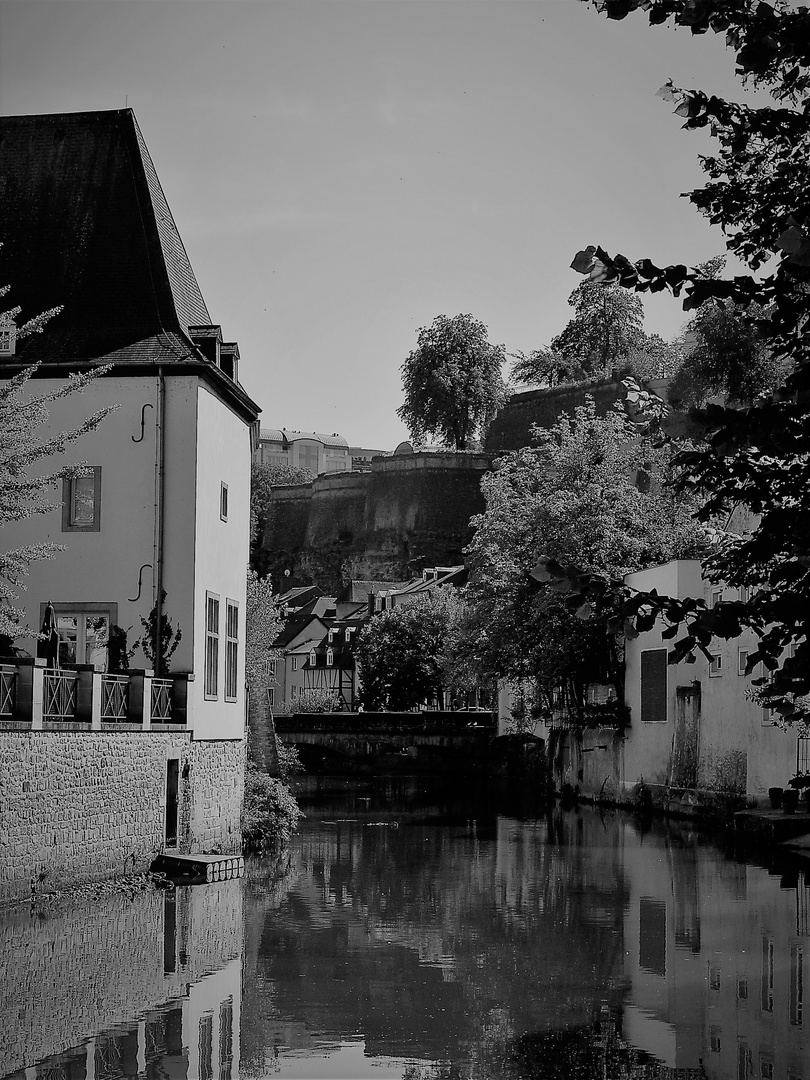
162, 507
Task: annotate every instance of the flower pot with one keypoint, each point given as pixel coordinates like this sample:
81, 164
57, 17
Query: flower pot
775, 795
790, 801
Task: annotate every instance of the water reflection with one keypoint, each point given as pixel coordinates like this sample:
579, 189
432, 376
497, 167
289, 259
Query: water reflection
573, 945
426, 934
144, 986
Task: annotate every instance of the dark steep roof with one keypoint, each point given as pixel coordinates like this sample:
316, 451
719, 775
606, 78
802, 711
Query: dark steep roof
86, 226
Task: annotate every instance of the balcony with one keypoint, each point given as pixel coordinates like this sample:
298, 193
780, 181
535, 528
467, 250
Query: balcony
78, 697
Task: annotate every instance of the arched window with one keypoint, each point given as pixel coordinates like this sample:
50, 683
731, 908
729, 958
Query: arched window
312, 658
330, 658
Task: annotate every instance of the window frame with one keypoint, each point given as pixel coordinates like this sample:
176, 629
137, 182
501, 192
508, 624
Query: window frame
211, 672
68, 524
742, 660
716, 665
644, 715
294, 665
83, 610
223, 501
230, 679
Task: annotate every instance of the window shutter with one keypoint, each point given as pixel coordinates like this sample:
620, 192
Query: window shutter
654, 686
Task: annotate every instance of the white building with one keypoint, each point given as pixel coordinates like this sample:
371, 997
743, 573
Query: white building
163, 502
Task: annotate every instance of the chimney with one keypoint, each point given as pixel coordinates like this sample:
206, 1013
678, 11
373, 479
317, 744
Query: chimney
208, 340
229, 359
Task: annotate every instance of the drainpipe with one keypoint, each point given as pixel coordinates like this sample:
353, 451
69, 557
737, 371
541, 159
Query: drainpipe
160, 472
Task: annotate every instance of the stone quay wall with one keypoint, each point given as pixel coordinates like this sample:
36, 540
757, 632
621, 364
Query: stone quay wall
78, 806
74, 971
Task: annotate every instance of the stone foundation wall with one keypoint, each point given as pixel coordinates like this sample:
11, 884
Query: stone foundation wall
80, 806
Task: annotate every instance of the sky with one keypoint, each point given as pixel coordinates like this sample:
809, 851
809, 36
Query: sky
343, 171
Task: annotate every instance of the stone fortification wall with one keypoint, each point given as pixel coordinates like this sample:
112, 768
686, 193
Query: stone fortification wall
69, 973
406, 513
81, 806
511, 428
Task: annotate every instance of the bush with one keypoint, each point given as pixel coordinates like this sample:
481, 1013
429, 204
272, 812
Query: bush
270, 814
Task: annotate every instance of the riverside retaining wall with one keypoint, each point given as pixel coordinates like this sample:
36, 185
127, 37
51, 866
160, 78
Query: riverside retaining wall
81, 806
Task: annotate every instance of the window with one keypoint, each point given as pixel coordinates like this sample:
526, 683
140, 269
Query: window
330, 658
349, 633
745, 593
313, 660
715, 665
742, 661
231, 649
223, 501
81, 501
716, 597
84, 632
796, 985
654, 686
332, 634
766, 976
211, 645
294, 665
270, 669
271, 696
8, 338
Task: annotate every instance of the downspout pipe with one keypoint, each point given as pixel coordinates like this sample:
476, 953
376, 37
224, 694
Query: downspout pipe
160, 502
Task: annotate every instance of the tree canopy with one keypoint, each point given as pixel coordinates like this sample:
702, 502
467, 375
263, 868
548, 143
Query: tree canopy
758, 191
452, 382
25, 492
589, 491
404, 654
263, 478
605, 334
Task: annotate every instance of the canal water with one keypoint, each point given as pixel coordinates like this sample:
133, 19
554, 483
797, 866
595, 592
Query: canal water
426, 930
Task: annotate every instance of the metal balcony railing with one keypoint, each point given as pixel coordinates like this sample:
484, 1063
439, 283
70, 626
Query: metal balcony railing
161, 701
59, 696
114, 699
8, 691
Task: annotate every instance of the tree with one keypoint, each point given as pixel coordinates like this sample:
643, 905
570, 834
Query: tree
727, 355
403, 653
159, 640
452, 382
23, 444
759, 193
606, 327
575, 496
542, 367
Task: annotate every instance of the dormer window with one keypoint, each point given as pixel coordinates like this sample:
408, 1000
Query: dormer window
330, 658
312, 658
349, 632
332, 634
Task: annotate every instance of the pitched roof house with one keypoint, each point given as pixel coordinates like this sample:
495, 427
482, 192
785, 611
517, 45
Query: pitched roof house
163, 503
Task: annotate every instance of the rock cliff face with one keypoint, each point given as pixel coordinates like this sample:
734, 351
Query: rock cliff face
408, 512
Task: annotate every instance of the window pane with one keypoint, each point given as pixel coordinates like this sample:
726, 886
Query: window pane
82, 502
96, 637
68, 627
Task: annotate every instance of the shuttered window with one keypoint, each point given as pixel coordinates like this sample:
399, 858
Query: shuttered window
654, 686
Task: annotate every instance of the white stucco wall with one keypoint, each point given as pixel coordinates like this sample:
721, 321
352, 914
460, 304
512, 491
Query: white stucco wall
222, 550
733, 739
98, 567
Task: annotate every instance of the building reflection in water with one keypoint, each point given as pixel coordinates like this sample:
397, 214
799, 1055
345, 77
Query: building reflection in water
148, 986
580, 941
